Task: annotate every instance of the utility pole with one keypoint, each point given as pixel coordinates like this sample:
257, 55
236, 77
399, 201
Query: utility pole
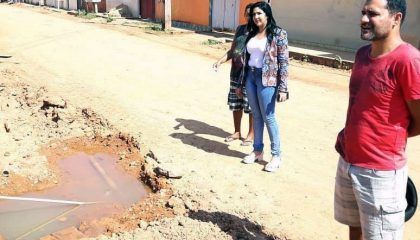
167, 21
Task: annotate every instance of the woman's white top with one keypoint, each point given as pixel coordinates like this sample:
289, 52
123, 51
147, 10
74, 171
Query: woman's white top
256, 48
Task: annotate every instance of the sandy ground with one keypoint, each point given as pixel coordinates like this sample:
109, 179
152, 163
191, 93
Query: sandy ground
161, 90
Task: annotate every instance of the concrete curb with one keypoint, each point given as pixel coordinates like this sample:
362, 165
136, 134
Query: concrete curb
334, 62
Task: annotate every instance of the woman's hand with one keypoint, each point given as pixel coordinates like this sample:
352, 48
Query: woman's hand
238, 92
216, 65
222, 60
281, 96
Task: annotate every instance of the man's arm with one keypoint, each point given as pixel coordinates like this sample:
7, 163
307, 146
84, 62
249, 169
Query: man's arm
414, 127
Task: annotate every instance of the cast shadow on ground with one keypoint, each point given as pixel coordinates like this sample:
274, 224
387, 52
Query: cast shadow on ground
238, 228
7, 60
207, 145
200, 128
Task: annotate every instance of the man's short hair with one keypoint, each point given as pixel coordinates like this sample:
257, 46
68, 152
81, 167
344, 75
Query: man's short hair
395, 6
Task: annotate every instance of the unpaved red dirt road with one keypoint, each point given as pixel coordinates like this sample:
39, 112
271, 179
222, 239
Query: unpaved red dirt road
163, 90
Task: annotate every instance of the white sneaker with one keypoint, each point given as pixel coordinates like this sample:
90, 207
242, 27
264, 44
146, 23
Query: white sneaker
274, 164
252, 157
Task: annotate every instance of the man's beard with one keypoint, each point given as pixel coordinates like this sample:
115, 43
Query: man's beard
370, 34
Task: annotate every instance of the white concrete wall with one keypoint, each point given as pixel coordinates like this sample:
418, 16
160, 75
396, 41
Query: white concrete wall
133, 5
50, 3
64, 4
72, 4
335, 23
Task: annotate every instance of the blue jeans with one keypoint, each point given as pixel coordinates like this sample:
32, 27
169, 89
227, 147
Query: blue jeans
262, 101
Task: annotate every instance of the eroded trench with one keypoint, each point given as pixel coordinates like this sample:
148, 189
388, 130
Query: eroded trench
67, 173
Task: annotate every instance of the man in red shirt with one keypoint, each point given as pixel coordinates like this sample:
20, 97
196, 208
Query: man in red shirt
384, 109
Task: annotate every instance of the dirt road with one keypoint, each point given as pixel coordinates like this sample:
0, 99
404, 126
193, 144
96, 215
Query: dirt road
154, 87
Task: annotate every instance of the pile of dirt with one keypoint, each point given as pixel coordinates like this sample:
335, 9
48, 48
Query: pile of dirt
30, 118
121, 10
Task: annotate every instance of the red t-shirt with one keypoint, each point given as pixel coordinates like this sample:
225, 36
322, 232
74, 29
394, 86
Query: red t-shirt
375, 135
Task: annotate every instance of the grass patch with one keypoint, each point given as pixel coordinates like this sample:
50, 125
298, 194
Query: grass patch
155, 28
84, 14
211, 42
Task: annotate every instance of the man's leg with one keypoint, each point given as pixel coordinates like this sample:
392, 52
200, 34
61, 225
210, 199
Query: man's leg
381, 199
346, 210
355, 233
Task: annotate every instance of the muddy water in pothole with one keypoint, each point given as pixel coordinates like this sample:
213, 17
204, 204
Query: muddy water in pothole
84, 178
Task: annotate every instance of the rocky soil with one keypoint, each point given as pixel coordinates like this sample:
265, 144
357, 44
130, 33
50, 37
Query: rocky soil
30, 118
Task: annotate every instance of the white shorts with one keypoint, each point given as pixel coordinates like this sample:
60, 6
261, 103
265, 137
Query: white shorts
371, 199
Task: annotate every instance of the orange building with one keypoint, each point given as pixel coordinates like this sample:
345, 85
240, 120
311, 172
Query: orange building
205, 14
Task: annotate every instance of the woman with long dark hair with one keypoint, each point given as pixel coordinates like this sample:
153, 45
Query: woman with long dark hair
265, 78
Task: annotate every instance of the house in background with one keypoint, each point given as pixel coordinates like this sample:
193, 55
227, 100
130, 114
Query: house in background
186, 13
330, 24
334, 23
228, 14
148, 8
223, 15
325, 23
62, 4
204, 15
70, 4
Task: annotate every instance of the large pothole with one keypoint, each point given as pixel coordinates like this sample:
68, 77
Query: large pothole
90, 187
56, 157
